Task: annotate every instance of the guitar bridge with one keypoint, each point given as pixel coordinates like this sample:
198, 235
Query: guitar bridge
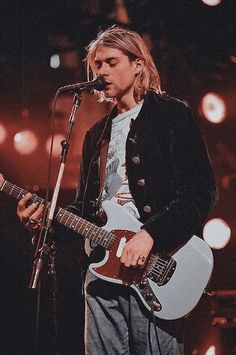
160, 268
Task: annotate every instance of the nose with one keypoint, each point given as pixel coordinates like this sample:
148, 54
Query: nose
103, 70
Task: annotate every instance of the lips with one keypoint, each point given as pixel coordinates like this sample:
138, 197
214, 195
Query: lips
107, 85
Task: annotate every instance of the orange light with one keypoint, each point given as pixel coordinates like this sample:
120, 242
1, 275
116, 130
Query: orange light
213, 107
25, 142
216, 233
25, 112
56, 145
233, 58
3, 134
212, 2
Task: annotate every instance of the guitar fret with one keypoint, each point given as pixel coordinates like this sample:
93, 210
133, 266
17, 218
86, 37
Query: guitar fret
20, 194
101, 237
12, 190
2, 187
63, 216
98, 238
159, 268
105, 239
83, 228
67, 218
70, 221
72, 225
36, 199
78, 224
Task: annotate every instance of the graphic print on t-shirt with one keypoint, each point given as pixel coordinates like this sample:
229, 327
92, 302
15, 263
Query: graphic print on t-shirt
116, 186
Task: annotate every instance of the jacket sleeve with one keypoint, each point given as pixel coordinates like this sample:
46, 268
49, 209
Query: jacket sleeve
195, 189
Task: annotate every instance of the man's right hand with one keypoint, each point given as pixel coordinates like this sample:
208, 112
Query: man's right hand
30, 215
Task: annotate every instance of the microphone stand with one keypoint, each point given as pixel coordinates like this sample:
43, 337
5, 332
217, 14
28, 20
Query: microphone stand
45, 247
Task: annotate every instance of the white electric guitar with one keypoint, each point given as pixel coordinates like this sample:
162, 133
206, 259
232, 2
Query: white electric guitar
170, 285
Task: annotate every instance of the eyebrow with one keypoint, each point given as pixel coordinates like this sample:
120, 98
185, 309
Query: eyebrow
109, 59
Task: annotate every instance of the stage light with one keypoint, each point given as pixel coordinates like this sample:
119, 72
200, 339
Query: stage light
212, 2
213, 107
25, 112
233, 58
55, 61
121, 12
56, 145
3, 134
211, 350
216, 233
25, 142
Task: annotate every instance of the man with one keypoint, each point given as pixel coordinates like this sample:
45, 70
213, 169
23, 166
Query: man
149, 156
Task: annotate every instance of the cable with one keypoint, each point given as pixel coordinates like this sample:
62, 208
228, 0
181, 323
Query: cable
155, 329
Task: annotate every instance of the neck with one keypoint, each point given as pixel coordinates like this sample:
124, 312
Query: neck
126, 105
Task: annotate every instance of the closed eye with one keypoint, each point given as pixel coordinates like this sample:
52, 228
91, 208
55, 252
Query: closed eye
113, 64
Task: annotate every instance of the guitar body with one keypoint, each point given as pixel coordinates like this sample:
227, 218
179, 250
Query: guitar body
177, 297
170, 285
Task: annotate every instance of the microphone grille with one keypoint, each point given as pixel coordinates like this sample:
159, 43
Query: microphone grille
100, 83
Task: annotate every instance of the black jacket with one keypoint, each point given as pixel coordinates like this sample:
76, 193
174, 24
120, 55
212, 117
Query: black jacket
169, 172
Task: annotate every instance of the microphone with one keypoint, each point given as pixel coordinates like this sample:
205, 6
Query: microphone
98, 83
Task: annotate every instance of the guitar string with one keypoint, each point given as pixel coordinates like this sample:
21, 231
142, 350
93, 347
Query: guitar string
158, 267
161, 264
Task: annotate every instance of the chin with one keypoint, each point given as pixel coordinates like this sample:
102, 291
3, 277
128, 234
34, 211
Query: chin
109, 94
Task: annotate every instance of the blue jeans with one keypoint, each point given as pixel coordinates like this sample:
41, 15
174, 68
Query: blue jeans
117, 323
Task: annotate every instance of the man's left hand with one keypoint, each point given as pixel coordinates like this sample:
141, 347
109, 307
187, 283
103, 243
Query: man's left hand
137, 249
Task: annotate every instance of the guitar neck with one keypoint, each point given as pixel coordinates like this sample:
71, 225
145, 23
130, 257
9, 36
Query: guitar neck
68, 219
85, 228
18, 193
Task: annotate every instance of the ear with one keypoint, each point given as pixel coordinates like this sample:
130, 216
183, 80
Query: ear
138, 65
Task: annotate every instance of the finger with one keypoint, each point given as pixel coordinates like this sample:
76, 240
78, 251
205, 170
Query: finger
38, 214
134, 260
24, 200
142, 260
27, 212
124, 256
130, 260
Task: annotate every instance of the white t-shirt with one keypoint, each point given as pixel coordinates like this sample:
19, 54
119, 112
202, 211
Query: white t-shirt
116, 186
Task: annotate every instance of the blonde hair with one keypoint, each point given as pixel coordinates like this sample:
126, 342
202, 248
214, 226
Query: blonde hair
132, 45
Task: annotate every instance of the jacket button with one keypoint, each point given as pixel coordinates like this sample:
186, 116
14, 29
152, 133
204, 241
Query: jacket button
136, 159
141, 182
147, 209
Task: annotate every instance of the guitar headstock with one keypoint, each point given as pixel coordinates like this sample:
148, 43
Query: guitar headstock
1, 179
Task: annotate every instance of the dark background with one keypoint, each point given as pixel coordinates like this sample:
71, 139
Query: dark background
193, 46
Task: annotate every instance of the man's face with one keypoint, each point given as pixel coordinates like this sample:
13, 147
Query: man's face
118, 70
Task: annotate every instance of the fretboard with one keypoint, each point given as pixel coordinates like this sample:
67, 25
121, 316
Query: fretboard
68, 219
85, 228
18, 193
